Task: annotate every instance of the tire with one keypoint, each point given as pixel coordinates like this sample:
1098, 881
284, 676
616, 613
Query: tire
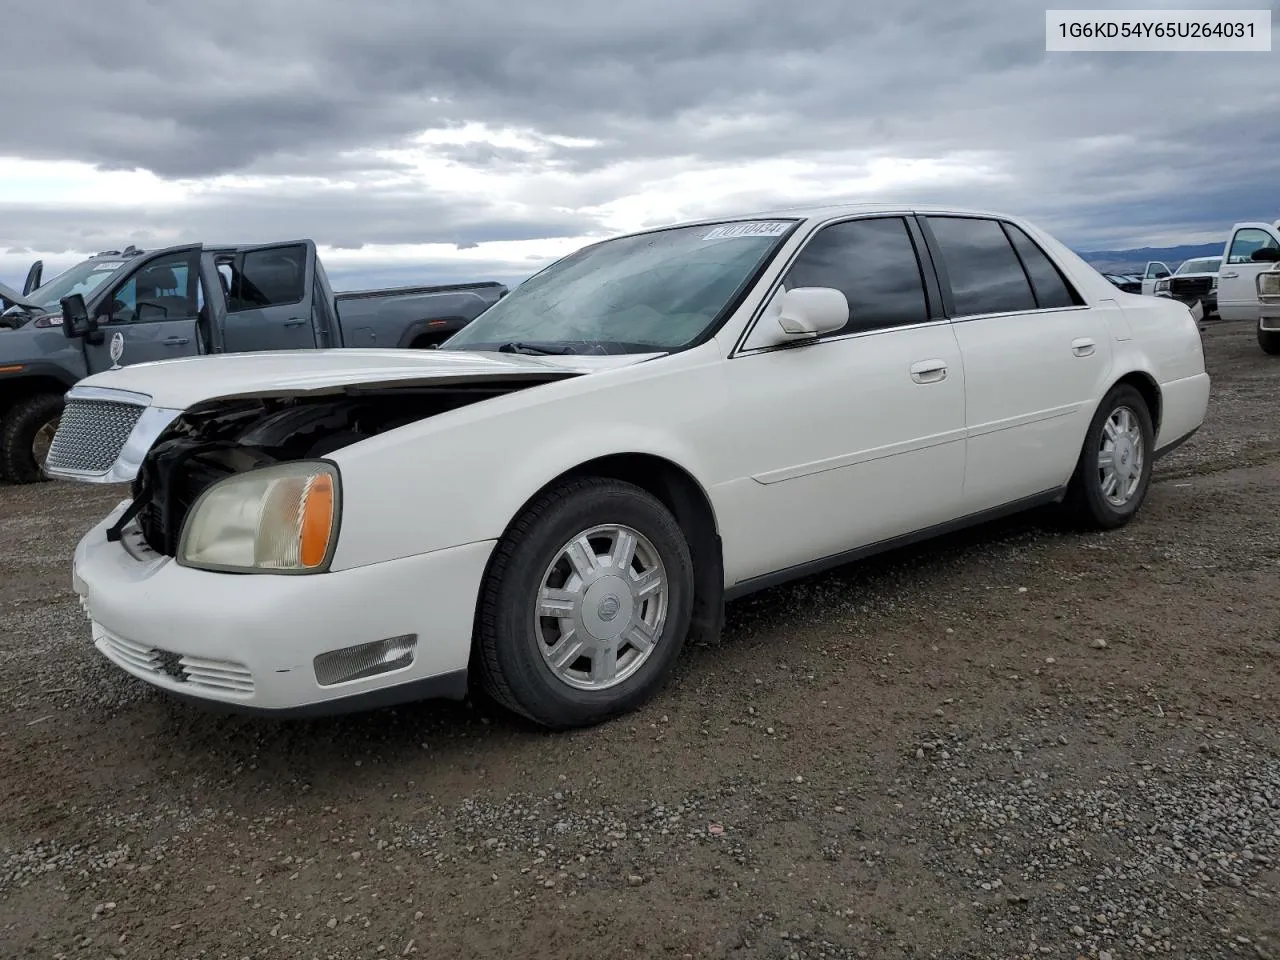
1269, 341
514, 642
1087, 502
20, 428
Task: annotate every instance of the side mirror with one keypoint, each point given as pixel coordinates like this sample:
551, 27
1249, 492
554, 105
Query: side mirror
1265, 255
810, 312
76, 321
1161, 274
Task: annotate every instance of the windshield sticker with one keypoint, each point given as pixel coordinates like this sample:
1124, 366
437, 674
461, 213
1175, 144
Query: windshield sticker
751, 228
108, 267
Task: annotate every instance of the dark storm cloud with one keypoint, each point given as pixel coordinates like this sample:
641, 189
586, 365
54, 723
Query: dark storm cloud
275, 86
346, 219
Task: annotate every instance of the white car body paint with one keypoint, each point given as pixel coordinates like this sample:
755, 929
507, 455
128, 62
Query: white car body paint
804, 454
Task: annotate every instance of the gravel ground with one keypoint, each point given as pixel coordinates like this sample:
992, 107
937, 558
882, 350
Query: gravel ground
1014, 742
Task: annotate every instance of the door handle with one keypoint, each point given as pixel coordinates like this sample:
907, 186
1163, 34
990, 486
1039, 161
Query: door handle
176, 341
929, 371
1083, 347
294, 322
1228, 276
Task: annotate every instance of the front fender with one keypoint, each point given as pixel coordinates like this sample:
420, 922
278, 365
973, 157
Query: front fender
462, 477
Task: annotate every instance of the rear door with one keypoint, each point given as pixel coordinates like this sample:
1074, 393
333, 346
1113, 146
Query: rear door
1238, 275
151, 313
1155, 271
1035, 358
270, 292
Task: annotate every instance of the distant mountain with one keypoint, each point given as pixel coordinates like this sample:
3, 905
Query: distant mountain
1135, 261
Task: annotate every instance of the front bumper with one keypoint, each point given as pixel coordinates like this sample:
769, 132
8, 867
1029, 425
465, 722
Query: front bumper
248, 642
1209, 300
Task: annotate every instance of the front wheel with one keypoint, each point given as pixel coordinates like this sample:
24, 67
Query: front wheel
586, 604
26, 432
1114, 470
1269, 341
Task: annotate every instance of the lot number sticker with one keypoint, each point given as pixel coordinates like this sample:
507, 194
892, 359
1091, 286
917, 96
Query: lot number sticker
752, 228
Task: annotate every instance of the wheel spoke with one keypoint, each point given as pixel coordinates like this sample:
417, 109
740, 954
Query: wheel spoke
557, 603
624, 551
1109, 483
647, 584
639, 636
1109, 428
566, 650
583, 557
604, 665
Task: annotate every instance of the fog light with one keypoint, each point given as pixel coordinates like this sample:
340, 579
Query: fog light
365, 660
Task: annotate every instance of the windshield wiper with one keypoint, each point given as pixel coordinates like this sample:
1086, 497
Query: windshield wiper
517, 346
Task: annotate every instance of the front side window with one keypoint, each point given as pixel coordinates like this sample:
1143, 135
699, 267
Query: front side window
163, 289
1248, 240
874, 263
986, 276
648, 292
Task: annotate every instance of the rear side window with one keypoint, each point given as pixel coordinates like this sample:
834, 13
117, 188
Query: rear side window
874, 263
1047, 282
265, 278
985, 274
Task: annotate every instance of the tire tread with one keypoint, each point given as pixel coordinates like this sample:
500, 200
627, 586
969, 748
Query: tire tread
15, 450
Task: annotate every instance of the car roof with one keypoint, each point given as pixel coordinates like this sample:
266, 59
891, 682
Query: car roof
818, 212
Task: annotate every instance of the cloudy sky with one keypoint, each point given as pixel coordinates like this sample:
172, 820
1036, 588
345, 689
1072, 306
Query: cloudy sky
418, 140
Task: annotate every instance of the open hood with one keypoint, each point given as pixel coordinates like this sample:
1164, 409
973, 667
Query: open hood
14, 297
182, 383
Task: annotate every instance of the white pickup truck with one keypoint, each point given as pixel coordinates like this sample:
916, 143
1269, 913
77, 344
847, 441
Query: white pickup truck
1252, 248
1268, 286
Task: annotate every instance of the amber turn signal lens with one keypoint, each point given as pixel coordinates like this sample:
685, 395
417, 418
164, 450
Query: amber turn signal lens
317, 520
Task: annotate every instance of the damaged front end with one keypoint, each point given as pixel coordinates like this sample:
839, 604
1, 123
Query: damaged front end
170, 457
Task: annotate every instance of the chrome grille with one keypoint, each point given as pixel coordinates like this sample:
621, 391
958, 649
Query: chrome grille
91, 435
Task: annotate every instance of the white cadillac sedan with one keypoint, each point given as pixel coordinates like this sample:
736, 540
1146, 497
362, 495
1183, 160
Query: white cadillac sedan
553, 501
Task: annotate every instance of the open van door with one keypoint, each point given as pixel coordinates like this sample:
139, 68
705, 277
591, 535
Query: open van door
1155, 271
34, 276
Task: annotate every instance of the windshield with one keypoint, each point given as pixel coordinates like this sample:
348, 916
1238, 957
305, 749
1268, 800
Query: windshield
1207, 265
649, 292
83, 279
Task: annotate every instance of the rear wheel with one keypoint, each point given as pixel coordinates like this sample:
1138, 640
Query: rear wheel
1114, 470
586, 604
26, 432
1269, 341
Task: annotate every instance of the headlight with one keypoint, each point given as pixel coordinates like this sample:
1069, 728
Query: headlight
1214, 285
278, 519
1269, 283
1162, 286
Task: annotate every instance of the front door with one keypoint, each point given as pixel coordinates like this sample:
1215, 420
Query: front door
1155, 271
152, 314
857, 437
1035, 359
269, 293
1238, 275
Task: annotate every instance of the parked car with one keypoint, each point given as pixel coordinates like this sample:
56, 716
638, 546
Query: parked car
1251, 248
1125, 282
554, 499
192, 300
1195, 281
